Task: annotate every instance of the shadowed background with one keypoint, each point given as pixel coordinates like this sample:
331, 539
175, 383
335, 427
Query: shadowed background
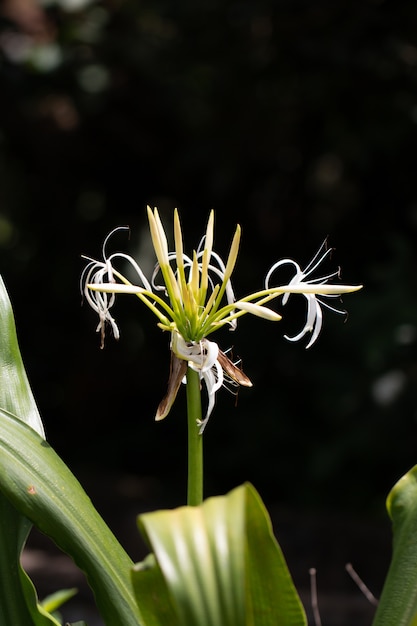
297, 120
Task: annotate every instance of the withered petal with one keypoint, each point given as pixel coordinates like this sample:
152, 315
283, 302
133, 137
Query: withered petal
231, 370
178, 369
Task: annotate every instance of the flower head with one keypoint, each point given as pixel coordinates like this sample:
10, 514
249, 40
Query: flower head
192, 296
318, 286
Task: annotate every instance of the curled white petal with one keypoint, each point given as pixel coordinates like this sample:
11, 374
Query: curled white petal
313, 324
213, 379
101, 303
99, 287
202, 357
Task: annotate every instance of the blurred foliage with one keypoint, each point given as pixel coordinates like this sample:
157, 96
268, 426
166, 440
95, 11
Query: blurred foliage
296, 119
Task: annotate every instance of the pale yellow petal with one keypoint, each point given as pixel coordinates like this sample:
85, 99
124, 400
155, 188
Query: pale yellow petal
179, 251
208, 243
195, 277
317, 289
259, 311
159, 239
208, 246
234, 249
116, 288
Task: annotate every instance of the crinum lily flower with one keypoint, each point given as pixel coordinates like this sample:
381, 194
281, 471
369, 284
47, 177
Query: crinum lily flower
198, 299
314, 311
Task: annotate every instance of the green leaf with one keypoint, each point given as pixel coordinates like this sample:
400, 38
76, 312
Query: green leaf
15, 392
273, 595
52, 602
217, 564
398, 602
152, 594
41, 487
18, 600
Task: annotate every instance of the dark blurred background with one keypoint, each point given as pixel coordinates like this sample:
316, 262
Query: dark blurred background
297, 120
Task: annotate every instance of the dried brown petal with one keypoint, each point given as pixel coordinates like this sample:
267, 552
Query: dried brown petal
178, 369
231, 370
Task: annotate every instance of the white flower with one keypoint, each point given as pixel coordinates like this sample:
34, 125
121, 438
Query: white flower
310, 288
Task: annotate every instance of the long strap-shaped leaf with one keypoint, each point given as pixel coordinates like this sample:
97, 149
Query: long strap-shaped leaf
15, 393
398, 603
40, 486
18, 601
217, 564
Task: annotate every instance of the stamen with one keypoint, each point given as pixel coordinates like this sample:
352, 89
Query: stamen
313, 265
332, 308
314, 598
365, 590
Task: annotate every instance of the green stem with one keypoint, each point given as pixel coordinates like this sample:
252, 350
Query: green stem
195, 440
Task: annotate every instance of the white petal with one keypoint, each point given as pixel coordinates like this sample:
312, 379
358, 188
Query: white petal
201, 355
294, 281
310, 322
182, 349
312, 309
317, 326
277, 265
213, 379
211, 350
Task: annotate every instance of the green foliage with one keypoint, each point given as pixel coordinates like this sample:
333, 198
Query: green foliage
52, 602
15, 393
18, 601
216, 565
42, 488
398, 603
55, 600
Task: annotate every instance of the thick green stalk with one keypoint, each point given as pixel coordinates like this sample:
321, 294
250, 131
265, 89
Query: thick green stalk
195, 440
